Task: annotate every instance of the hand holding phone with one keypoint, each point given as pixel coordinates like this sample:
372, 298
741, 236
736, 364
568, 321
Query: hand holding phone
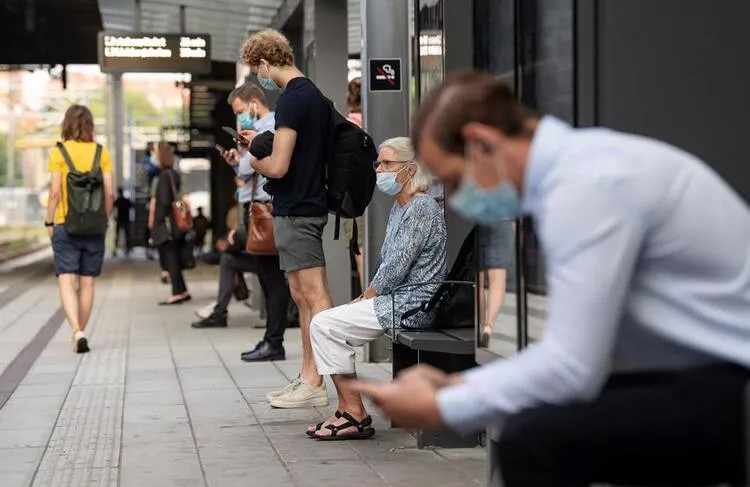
237, 137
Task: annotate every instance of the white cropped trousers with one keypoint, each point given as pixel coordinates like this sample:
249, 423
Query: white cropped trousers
335, 332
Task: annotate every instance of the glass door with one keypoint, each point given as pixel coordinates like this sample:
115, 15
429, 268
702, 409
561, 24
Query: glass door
528, 44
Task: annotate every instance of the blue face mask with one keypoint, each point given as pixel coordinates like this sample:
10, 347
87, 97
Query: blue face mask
386, 182
246, 121
267, 83
485, 205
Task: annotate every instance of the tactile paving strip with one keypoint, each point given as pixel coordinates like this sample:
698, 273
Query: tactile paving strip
84, 448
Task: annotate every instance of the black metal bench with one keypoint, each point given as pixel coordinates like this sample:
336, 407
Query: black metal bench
448, 349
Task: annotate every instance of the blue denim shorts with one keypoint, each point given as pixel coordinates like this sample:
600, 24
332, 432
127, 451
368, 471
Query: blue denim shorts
77, 254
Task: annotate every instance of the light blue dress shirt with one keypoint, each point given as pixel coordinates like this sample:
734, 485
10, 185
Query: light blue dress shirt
245, 170
647, 268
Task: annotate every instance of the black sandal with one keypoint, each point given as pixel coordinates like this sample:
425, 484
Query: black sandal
364, 429
312, 434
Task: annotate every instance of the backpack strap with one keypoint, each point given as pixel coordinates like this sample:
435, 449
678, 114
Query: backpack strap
66, 156
97, 157
354, 242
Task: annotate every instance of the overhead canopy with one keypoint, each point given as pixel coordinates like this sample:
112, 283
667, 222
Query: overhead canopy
227, 21
48, 31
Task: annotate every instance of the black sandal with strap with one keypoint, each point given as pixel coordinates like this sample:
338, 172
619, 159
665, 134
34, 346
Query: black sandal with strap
364, 429
311, 433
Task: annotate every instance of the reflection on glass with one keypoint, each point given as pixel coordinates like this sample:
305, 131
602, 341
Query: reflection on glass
430, 44
429, 64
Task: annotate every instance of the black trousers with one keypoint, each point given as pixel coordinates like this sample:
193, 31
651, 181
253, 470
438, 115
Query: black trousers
272, 282
122, 227
169, 257
229, 266
665, 429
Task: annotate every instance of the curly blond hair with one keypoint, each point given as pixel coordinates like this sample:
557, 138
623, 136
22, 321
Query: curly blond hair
268, 44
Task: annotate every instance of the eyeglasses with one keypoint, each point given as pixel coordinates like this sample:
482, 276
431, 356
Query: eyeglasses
388, 164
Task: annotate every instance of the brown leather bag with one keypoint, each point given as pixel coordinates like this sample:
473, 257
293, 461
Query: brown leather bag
183, 217
260, 239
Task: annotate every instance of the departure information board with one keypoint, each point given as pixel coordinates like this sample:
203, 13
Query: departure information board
154, 53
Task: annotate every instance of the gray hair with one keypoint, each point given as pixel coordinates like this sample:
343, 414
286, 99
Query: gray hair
402, 146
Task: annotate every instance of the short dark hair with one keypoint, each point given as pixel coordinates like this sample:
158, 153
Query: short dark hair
245, 92
469, 97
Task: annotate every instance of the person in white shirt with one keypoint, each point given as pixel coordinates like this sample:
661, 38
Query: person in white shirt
642, 375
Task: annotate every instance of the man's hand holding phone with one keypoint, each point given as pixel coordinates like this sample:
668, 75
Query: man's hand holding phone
231, 156
248, 134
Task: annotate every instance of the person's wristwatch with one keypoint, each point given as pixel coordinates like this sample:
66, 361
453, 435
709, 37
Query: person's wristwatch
49, 224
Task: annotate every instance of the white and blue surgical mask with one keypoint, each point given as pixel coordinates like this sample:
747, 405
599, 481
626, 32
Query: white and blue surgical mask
386, 182
246, 121
267, 83
485, 205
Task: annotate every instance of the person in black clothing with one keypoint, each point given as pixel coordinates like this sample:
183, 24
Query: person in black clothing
164, 234
300, 211
122, 219
200, 226
248, 102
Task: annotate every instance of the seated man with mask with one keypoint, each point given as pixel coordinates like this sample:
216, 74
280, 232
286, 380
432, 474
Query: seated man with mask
413, 251
642, 375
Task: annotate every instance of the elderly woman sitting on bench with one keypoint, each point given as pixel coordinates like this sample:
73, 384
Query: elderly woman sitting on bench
413, 251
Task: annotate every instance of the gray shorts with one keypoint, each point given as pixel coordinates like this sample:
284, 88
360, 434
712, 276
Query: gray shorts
497, 248
300, 241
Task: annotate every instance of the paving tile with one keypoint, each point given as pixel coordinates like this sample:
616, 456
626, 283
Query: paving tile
19, 459
16, 479
25, 437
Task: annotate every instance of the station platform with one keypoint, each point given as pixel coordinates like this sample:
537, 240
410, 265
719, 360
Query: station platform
158, 403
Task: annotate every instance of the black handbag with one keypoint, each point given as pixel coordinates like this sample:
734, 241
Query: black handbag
240, 291
187, 251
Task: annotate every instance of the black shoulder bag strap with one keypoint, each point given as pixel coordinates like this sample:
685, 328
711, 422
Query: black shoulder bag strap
97, 157
329, 155
66, 156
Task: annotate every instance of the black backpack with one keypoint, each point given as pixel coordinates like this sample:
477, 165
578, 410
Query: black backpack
86, 212
350, 176
454, 303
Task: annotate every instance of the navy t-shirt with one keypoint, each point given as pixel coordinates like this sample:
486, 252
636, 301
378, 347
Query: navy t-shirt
301, 192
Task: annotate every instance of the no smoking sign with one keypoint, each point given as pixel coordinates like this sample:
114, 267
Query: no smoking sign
385, 75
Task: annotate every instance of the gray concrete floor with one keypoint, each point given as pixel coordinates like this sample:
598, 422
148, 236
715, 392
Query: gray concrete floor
157, 403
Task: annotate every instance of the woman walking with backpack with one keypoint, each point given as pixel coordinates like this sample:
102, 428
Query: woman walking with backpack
80, 203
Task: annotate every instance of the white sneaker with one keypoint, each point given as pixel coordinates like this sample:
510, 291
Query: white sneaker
302, 395
205, 311
286, 389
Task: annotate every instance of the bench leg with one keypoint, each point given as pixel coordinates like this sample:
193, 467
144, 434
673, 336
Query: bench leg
404, 357
445, 437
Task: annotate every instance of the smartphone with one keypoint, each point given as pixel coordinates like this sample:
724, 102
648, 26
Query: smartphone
220, 149
236, 136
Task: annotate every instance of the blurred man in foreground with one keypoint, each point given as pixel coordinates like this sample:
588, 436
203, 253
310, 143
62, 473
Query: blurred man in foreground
641, 376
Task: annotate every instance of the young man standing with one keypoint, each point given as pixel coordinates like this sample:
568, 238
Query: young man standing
296, 169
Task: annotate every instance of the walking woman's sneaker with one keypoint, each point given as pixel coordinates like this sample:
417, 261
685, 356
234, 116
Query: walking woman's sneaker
80, 343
